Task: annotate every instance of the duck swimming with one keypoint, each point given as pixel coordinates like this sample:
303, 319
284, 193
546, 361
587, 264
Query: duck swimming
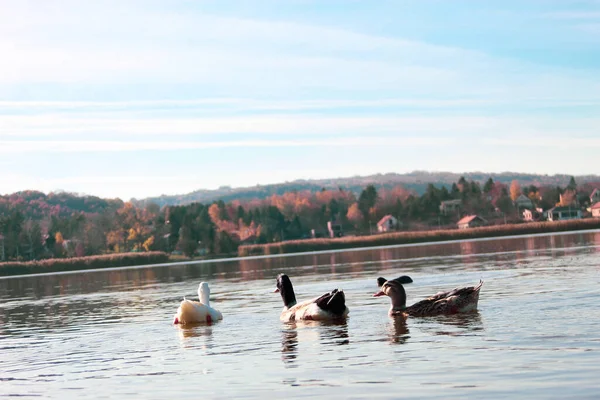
458, 300
329, 306
197, 312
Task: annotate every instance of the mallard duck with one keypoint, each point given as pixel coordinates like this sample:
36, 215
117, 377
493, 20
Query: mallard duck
197, 312
459, 300
329, 306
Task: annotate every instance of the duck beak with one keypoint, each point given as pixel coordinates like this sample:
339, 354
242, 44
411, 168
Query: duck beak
379, 294
276, 290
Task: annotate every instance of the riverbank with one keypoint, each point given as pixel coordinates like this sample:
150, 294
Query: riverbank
384, 239
82, 263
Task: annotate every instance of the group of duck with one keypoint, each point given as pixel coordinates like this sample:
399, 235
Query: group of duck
332, 305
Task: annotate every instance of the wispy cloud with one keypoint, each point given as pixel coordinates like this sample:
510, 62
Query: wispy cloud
27, 146
81, 84
577, 15
291, 125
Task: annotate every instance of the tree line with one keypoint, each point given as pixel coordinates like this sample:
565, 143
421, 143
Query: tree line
34, 225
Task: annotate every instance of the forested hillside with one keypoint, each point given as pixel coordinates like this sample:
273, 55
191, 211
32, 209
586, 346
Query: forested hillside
416, 181
34, 225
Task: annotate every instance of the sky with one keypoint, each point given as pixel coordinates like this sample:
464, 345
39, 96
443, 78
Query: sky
137, 98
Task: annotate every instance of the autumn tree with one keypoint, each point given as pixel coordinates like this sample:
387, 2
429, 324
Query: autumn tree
515, 190
354, 214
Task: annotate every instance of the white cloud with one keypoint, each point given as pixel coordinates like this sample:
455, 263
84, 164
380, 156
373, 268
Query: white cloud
105, 126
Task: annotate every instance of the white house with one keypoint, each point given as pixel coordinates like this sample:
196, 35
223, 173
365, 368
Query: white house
387, 223
532, 215
595, 210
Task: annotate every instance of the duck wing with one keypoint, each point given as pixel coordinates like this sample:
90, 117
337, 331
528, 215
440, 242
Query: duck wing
450, 302
333, 302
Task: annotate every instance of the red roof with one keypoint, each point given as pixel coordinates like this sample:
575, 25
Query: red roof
384, 220
467, 219
595, 206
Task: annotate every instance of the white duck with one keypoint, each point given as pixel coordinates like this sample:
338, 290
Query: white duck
197, 312
329, 306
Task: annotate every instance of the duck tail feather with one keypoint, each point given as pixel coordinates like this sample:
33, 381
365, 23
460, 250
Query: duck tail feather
334, 302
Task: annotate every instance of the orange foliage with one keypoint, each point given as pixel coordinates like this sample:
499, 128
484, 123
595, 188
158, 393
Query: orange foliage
515, 190
354, 214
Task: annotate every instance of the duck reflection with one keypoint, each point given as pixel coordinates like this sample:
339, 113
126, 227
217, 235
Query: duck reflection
463, 324
289, 344
398, 330
190, 331
334, 332
327, 333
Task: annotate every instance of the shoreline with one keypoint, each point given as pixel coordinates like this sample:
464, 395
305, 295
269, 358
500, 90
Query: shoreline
78, 264
314, 252
417, 237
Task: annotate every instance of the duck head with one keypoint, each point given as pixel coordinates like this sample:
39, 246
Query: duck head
404, 279
285, 288
204, 293
395, 291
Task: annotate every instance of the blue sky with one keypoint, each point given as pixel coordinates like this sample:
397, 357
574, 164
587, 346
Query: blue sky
134, 98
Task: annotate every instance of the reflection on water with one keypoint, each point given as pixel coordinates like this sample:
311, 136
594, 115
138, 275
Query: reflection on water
454, 325
328, 333
289, 344
196, 336
398, 330
111, 332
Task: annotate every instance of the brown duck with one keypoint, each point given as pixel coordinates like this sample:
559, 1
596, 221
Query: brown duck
458, 300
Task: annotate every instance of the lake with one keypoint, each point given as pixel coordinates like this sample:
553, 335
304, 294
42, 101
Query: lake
109, 334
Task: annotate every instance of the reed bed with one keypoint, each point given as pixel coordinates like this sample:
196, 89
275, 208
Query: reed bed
82, 263
297, 246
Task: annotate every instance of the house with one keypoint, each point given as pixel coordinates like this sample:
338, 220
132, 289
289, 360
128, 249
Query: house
563, 213
596, 210
595, 196
334, 229
533, 215
387, 223
471, 221
523, 202
450, 206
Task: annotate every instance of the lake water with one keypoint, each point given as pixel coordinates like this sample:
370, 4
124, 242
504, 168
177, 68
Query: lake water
109, 334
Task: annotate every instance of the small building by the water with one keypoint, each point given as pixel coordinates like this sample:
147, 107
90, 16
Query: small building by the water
595, 210
533, 215
387, 223
471, 221
564, 213
334, 229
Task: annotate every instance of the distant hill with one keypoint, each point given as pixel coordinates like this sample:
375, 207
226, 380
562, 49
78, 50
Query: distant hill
416, 181
37, 205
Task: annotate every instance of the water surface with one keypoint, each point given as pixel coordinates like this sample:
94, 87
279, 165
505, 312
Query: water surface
108, 334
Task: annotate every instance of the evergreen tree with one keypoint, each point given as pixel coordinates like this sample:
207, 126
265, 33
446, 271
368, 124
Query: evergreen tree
489, 185
367, 200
